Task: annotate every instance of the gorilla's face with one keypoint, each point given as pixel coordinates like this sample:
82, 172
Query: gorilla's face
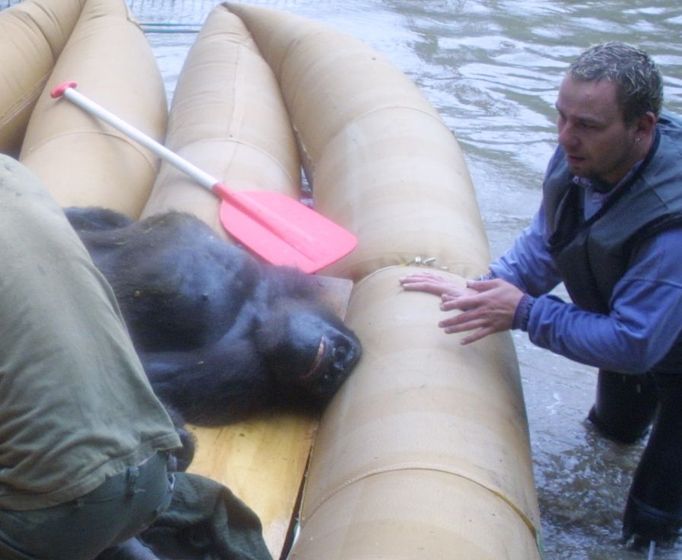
308, 348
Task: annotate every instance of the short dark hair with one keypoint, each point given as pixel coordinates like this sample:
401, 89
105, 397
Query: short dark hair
639, 86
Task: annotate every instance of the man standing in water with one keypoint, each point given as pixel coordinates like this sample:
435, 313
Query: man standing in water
610, 228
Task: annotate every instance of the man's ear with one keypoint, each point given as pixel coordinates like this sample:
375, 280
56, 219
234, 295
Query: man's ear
646, 123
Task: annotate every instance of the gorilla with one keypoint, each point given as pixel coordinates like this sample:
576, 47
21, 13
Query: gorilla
220, 334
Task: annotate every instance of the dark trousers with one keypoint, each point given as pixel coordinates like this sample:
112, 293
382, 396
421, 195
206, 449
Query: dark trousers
626, 405
118, 509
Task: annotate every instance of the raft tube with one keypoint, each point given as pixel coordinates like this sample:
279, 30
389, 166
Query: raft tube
228, 118
32, 35
381, 161
82, 161
424, 453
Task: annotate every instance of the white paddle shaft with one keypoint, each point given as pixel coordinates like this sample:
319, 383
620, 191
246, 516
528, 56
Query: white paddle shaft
68, 90
277, 227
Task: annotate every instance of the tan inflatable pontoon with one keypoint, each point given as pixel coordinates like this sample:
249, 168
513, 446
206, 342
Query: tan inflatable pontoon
229, 119
32, 35
381, 160
424, 453
82, 161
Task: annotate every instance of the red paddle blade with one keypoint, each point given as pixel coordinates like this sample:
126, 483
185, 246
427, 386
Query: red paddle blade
282, 230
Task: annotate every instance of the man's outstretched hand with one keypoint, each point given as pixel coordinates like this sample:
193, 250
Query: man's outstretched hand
487, 306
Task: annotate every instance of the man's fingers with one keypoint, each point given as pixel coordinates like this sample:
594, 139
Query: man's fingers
433, 284
424, 283
465, 321
483, 285
427, 287
477, 327
476, 335
464, 302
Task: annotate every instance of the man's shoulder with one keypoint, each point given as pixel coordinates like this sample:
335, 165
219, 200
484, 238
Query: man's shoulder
669, 151
670, 122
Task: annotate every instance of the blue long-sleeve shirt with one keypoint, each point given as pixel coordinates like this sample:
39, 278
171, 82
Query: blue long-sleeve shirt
646, 305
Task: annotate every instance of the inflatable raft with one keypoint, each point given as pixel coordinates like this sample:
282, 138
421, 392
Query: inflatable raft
424, 453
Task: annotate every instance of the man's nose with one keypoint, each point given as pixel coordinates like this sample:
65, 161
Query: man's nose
566, 136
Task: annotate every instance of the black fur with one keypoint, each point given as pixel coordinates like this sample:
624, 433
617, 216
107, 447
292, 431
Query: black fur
220, 334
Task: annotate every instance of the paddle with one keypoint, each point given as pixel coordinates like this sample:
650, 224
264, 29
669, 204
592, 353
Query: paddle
279, 228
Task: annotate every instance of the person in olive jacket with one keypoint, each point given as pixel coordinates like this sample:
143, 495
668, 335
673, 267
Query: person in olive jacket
83, 440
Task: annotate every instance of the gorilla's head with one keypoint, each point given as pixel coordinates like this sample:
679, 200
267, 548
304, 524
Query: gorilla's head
308, 349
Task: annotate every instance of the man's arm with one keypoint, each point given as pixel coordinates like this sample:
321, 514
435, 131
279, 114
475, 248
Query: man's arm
645, 321
528, 264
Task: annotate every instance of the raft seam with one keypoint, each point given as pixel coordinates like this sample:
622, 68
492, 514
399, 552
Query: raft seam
535, 533
25, 101
137, 147
355, 120
256, 147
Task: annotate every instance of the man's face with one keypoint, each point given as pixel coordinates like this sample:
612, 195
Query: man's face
592, 132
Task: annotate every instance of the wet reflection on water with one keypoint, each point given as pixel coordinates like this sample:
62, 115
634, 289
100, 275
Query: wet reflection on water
492, 68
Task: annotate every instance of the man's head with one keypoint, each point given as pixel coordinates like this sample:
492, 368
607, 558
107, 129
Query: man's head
608, 105
639, 86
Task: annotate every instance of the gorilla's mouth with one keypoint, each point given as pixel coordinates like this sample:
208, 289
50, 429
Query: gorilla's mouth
318, 361
333, 362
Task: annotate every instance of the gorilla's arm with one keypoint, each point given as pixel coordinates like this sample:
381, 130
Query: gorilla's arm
132, 549
95, 219
216, 385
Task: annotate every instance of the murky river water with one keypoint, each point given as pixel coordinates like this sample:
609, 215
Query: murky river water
492, 68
